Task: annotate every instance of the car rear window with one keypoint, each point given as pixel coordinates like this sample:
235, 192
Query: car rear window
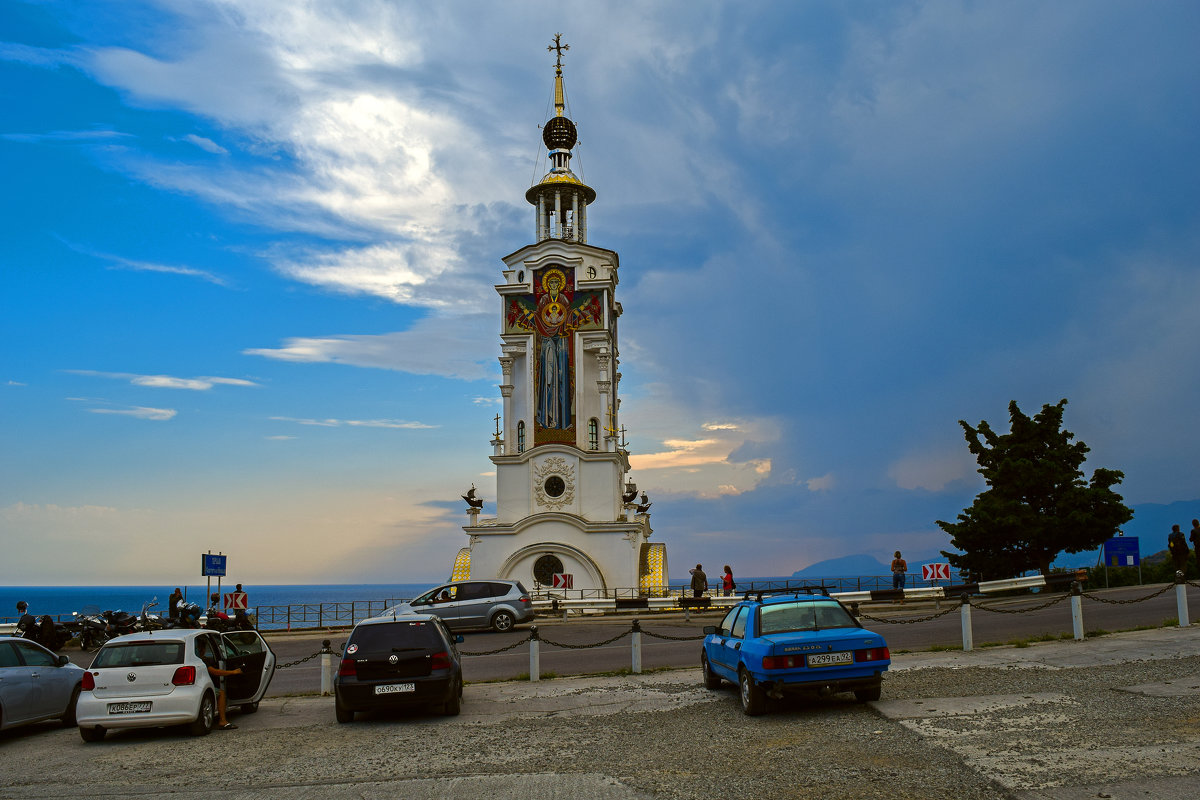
404, 635
139, 654
802, 616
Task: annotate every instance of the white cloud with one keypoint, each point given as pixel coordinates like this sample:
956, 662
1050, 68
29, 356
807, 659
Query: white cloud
208, 145
932, 471
357, 423
448, 346
821, 484
139, 412
165, 381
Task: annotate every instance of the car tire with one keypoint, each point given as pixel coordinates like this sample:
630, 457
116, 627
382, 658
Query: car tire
754, 701
503, 621
93, 734
343, 715
453, 706
868, 695
205, 718
68, 717
711, 679
248, 708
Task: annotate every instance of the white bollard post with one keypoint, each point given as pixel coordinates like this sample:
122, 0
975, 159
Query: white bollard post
535, 660
637, 648
1077, 611
328, 669
1181, 606
968, 635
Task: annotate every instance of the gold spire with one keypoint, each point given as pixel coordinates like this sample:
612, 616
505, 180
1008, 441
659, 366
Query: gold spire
558, 47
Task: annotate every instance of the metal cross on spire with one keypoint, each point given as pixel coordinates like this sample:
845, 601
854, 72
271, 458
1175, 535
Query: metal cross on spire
558, 47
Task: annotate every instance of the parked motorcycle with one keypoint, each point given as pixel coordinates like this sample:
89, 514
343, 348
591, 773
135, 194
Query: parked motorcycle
45, 630
150, 622
188, 616
90, 627
118, 623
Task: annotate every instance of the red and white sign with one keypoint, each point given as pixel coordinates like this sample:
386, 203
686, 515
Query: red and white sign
235, 600
935, 572
564, 580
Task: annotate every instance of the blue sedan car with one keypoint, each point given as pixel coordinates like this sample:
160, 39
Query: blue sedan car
35, 684
785, 641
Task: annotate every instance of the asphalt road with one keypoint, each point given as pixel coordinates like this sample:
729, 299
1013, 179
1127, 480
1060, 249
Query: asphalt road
906, 628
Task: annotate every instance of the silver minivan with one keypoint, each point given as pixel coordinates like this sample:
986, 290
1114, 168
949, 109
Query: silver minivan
492, 604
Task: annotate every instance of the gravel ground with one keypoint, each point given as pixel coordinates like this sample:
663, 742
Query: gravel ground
961, 732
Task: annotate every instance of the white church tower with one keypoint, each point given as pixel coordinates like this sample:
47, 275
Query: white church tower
564, 504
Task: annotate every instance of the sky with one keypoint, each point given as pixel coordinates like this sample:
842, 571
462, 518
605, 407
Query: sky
249, 250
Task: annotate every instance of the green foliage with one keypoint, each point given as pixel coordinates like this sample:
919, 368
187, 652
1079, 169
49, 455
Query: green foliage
1037, 503
1153, 571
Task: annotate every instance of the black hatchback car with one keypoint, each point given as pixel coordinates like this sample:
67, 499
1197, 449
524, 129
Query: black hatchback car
396, 661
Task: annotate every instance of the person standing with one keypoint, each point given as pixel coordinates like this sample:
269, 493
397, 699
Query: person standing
173, 604
727, 584
212, 660
1194, 536
1178, 548
899, 570
699, 581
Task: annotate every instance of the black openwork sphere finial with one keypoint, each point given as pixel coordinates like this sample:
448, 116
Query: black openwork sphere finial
559, 134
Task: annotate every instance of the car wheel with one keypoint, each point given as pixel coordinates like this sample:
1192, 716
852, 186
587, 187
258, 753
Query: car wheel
204, 720
868, 695
342, 714
68, 717
248, 708
503, 621
454, 705
754, 702
93, 734
711, 679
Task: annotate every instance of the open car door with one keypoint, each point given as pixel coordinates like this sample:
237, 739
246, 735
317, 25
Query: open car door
249, 651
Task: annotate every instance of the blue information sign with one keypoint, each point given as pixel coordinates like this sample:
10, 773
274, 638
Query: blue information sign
1122, 551
213, 566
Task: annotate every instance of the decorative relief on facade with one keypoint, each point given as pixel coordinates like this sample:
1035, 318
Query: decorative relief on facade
554, 483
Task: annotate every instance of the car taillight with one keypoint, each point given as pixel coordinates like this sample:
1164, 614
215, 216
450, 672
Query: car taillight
525, 599
89, 682
782, 662
440, 661
348, 669
184, 676
873, 654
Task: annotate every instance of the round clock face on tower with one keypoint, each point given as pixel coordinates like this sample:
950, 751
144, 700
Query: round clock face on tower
554, 486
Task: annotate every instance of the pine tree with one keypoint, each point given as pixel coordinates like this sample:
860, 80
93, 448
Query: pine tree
1037, 503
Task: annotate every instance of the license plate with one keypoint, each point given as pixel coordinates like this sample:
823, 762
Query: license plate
830, 659
129, 708
393, 688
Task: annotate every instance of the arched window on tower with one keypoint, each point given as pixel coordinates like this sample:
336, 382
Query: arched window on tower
521, 436
593, 434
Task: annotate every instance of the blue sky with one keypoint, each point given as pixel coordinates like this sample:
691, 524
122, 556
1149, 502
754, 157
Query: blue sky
249, 250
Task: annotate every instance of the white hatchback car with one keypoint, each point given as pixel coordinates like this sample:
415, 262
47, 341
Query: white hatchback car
157, 678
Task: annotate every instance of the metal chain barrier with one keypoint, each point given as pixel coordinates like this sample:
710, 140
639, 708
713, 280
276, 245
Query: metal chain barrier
517, 643
672, 638
566, 646
910, 620
1058, 599
1166, 588
302, 660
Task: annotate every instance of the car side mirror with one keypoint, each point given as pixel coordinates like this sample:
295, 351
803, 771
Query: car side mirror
710, 628
459, 639
63, 661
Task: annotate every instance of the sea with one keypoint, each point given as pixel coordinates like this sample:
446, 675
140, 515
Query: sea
62, 600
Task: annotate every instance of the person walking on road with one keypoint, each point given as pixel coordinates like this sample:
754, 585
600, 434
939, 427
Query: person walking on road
899, 570
1194, 536
699, 581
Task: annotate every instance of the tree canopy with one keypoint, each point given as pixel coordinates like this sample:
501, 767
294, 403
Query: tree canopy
1037, 503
